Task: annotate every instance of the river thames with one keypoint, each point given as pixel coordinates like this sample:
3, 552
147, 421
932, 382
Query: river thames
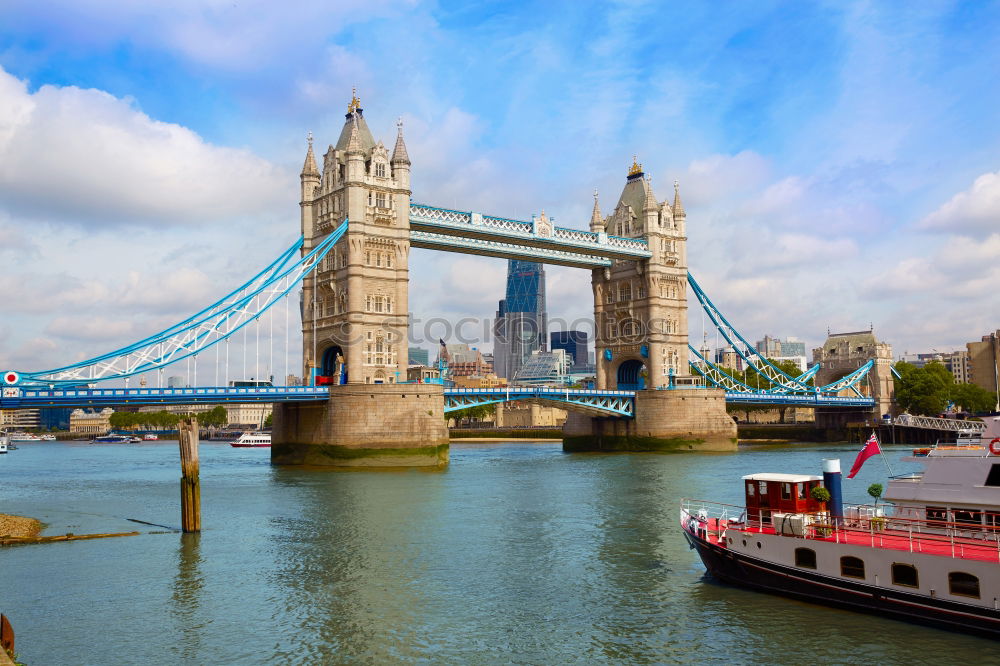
517, 552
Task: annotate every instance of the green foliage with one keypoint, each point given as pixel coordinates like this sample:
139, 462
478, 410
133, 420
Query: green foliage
217, 416
820, 494
973, 398
479, 412
923, 390
269, 421
161, 420
875, 490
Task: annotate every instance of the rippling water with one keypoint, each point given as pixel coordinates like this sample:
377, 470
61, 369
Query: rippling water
516, 553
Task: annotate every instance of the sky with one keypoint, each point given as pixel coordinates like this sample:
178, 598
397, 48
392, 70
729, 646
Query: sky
839, 162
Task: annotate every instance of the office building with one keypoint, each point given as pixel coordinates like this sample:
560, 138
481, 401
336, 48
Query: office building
983, 366
575, 345
419, 356
521, 322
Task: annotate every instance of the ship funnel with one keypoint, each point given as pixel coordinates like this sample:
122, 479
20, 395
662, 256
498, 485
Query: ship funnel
831, 480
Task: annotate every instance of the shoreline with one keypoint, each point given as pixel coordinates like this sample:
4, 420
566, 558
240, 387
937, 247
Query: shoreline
19, 526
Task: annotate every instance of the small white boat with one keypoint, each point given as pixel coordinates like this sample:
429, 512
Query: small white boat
253, 440
48, 438
112, 439
24, 437
4, 443
150, 437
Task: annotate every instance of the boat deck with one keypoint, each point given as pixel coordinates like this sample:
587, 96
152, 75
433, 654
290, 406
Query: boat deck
983, 547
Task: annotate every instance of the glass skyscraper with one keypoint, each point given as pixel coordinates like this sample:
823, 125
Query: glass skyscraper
521, 322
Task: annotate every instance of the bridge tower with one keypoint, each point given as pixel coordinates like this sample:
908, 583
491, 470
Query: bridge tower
355, 313
641, 341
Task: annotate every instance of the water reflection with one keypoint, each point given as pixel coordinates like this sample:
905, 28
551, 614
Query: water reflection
189, 583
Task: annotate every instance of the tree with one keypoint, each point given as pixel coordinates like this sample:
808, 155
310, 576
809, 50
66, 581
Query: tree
217, 416
820, 494
478, 412
269, 421
875, 490
973, 398
923, 390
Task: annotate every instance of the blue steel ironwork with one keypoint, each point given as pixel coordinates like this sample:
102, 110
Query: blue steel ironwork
531, 239
746, 351
721, 379
595, 401
217, 322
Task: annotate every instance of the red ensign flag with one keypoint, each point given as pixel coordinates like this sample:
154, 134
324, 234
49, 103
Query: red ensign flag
870, 449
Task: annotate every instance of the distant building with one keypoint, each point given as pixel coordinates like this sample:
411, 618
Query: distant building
983, 363
487, 381
176, 381
85, 422
789, 349
843, 353
465, 361
956, 362
248, 415
728, 358
575, 344
529, 415
293, 380
20, 419
419, 356
422, 373
54, 418
544, 369
521, 319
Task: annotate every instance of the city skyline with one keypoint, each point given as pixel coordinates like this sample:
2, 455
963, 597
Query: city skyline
844, 178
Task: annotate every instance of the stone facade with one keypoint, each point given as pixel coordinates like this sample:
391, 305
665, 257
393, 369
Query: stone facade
364, 426
692, 419
354, 308
640, 307
84, 422
982, 360
843, 353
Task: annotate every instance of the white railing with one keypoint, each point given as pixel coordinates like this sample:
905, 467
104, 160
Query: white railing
933, 423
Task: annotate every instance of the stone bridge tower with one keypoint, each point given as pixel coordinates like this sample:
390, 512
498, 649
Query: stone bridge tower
354, 309
355, 316
640, 316
640, 307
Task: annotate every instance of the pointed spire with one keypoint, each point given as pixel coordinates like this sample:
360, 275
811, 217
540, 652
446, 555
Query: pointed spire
309, 167
678, 206
596, 219
399, 154
650, 202
354, 142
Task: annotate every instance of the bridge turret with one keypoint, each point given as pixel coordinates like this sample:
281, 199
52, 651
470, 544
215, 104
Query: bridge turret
678, 212
400, 159
310, 182
596, 220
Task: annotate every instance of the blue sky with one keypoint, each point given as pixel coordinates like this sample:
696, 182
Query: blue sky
840, 162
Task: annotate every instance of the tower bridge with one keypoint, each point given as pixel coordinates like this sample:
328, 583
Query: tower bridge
357, 225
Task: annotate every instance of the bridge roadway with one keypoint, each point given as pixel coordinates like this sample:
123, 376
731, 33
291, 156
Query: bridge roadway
594, 401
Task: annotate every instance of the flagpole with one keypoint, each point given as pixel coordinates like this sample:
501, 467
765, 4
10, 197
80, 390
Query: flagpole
882, 454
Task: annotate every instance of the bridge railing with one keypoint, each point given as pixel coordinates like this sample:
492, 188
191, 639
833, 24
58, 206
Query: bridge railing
934, 423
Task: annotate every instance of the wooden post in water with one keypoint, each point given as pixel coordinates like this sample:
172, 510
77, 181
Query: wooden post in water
190, 485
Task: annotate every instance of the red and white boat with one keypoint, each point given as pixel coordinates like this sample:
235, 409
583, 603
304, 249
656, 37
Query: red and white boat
253, 440
933, 557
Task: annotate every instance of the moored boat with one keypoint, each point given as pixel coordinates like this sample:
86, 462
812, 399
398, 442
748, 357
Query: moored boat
112, 439
24, 437
4, 443
933, 556
253, 440
150, 437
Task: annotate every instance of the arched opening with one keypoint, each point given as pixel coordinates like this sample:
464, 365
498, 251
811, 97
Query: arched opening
631, 376
332, 357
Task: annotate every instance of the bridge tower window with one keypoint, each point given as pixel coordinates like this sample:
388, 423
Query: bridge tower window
380, 169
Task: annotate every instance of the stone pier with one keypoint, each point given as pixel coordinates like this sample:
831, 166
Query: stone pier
364, 425
693, 419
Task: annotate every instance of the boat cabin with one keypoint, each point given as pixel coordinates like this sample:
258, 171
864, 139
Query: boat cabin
779, 493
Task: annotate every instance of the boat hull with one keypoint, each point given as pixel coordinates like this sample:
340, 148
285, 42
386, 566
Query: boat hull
757, 574
249, 446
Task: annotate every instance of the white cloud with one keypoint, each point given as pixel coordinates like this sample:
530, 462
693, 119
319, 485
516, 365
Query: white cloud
87, 157
974, 211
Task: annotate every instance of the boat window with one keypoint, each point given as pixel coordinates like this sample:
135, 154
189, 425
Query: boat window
905, 574
937, 515
786, 491
963, 584
802, 490
750, 489
762, 486
805, 557
852, 567
993, 479
968, 516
